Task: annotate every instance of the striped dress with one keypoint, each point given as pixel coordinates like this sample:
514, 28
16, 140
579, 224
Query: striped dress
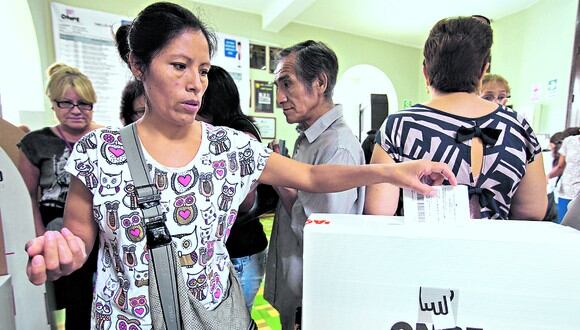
421, 132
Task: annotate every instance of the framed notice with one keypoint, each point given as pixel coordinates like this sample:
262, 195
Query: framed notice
267, 126
257, 57
263, 96
273, 58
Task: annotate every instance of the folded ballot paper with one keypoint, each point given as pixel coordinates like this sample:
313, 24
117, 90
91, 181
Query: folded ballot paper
373, 272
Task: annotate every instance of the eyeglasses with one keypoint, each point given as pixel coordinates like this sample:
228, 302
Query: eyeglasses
492, 98
68, 105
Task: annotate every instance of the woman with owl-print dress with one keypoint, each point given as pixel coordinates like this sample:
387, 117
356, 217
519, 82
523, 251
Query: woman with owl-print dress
200, 200
44, 154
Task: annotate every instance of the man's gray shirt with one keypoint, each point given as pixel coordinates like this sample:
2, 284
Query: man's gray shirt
328, 141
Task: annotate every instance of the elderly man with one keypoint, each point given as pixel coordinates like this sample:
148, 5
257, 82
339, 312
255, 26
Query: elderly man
305, 78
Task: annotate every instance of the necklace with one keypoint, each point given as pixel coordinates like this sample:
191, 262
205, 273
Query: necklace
69, 145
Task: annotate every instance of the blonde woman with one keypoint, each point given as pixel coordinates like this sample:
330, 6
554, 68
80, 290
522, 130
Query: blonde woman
495, 88
44, 153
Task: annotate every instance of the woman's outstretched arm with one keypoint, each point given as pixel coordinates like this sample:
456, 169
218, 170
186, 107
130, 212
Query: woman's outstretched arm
282, 171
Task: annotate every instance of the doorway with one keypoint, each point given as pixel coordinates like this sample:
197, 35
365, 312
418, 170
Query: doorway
354, 91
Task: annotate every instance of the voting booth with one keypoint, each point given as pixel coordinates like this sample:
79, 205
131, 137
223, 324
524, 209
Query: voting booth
22, 303
372, 272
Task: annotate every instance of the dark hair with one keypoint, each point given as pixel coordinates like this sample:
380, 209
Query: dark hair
557, 138
153, 28
570, 131
132, 90
368, 145
313, 58
221, 101
456, 53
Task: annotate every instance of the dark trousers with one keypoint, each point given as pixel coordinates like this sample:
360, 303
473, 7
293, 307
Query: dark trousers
74, 293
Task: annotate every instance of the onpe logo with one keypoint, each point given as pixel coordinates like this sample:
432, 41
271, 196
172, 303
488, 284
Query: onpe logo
437, 310
69, 15
436, 301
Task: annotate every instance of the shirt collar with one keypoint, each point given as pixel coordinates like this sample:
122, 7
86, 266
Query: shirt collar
321, 124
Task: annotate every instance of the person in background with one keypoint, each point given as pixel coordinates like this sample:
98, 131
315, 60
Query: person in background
368, 144
44, 154
132, 102
203, 174
491, 149
495, 88
247, 242
305, 77
555, 143
568, 169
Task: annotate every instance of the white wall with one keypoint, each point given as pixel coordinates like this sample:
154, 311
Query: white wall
20, 70
353, 90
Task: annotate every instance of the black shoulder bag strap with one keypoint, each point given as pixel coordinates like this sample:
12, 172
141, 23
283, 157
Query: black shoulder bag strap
157, 234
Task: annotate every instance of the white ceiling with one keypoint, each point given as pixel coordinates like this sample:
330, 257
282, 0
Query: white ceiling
404, 22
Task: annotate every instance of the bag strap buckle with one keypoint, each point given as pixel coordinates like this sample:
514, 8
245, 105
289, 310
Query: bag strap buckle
157, 232
148, 196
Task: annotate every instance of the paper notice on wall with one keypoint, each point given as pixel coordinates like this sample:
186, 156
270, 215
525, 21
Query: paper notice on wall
233, 54
449, 205
84, 39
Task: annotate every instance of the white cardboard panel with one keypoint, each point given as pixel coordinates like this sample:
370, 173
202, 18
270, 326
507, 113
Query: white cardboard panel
365, 272
7, 303
18, 226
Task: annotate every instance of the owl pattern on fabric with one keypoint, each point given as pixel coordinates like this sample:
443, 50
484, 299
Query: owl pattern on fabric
200, 200
182, 182
125, 323
160, 179
86, 171
206, 185
102, 314
226, 197
112, 149
185, 210
86, 143
219, 169
139, 306
247, 161
219, 141
134, 226
110, 183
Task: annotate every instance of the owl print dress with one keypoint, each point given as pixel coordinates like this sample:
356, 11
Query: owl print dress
200, 199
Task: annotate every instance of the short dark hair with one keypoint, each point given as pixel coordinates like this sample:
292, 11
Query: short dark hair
456, 53
221, 100
132, 90
313, 58
154, 27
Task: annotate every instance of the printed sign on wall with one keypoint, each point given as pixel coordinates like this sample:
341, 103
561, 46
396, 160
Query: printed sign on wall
83, 38
233, 55
264, 96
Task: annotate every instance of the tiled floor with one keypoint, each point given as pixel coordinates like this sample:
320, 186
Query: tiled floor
265, 315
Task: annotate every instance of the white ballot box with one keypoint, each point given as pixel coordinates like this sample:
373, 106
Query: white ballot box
371, 272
